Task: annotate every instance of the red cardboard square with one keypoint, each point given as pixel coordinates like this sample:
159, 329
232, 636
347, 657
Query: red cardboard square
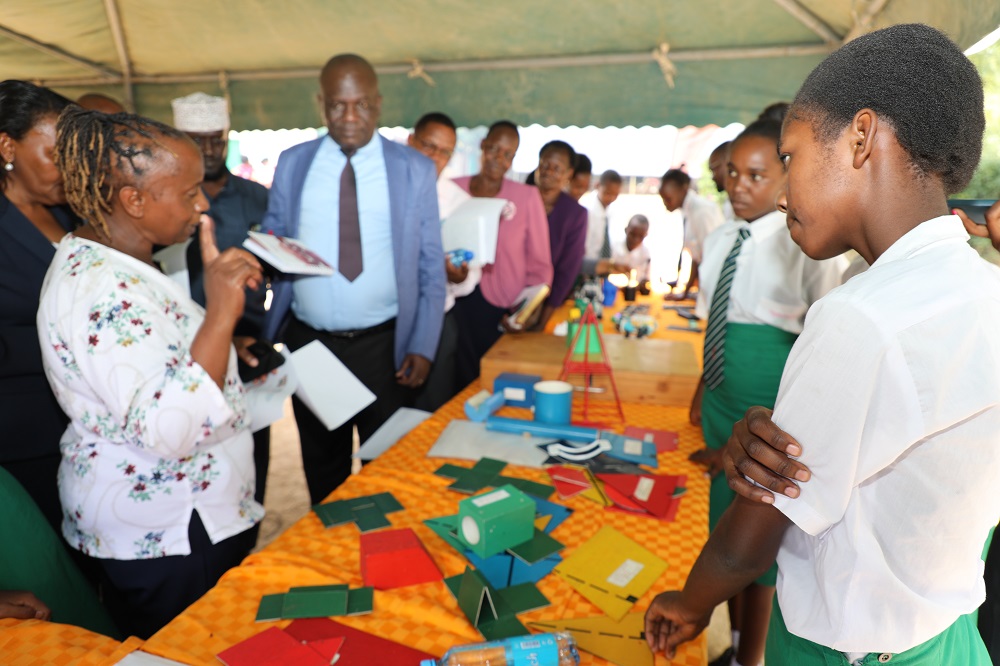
396, 558
665, 440
327, 647
360, 648
656, 499
568, 482
272, 647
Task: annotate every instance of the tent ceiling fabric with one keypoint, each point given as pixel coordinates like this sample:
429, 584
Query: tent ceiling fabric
589, 62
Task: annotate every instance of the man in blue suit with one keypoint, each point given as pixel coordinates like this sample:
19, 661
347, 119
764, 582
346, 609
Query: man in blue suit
368, 206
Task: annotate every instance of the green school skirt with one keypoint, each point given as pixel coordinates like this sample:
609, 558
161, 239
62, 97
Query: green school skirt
958, 645
34, 559
755, 358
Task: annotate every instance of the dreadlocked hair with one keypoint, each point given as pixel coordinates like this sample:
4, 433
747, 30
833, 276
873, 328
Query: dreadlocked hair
99, 153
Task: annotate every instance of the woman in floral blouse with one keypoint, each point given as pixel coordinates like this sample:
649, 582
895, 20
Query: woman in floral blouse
157, 474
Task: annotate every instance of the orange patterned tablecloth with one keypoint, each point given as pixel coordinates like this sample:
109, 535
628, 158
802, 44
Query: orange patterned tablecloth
37, 643
426, 616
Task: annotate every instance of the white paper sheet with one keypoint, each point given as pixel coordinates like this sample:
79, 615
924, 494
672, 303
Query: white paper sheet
468, 440
327, 387
266, 395
173, 262
140, 658
394, 429
474, 226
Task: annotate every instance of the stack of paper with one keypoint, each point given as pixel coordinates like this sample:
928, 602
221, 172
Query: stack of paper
474, 226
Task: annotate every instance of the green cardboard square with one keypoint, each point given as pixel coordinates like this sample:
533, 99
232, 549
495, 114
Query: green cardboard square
324, 603
541, 546
504, 627
492, 522
339, 587
386, 502
333, 513
360, 601
270, 608
370, 518
523, 598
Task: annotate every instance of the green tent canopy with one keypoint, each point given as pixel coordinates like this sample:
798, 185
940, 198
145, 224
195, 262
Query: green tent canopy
587, 62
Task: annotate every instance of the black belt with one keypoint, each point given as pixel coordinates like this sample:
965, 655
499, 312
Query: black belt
362, 332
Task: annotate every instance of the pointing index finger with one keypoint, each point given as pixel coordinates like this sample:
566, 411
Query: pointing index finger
206, 237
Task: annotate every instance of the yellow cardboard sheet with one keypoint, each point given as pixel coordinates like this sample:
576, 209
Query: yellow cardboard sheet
621, 643
611, 571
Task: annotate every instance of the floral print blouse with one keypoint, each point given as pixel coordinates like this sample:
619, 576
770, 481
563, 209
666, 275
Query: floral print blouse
151, 436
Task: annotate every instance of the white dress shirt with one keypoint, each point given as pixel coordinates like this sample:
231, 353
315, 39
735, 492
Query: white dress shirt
893, 390
333, 303
701, 218
151, 436
637, 259
775, 282
597, 225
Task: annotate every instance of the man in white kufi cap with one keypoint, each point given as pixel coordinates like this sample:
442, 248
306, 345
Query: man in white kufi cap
237, 206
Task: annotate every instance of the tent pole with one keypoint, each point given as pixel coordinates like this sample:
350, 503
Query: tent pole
863, 22
118, 35
809, 20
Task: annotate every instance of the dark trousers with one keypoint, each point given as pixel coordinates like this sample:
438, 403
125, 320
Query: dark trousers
440, 385
144, 595
478, 329
261, 461
326, 455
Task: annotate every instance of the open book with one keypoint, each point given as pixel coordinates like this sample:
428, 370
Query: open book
286, 254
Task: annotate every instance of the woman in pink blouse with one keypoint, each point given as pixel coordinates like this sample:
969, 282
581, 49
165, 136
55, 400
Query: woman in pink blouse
523, 256
157, 473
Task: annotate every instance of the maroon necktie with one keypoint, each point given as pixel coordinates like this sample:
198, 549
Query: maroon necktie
349, 261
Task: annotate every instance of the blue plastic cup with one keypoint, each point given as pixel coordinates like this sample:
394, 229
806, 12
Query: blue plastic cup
610, 292
553, 402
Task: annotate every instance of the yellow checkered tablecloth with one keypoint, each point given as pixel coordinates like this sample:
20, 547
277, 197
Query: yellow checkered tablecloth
426, 616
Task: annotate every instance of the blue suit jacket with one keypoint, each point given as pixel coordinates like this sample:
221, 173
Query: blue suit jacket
416, 241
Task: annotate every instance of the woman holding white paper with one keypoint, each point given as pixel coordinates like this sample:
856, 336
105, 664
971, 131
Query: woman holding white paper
157, 473
522, 260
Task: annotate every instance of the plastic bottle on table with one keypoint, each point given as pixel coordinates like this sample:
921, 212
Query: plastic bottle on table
558, 649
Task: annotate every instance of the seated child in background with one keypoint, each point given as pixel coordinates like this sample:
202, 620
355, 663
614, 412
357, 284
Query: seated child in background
633, 253
895, 377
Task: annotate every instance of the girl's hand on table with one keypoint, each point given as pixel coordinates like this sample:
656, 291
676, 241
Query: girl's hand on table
23, 606
669, 624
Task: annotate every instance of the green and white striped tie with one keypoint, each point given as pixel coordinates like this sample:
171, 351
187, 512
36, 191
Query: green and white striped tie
715, 332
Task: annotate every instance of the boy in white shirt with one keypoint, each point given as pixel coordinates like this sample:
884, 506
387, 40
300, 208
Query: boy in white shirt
896, 376
633, 253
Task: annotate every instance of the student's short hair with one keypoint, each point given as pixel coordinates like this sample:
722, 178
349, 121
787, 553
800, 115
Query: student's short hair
434, 117
918, 81
776, 111
610, 177
583, 165
639, 219
562, 147
677, 177
503, 124
767, 128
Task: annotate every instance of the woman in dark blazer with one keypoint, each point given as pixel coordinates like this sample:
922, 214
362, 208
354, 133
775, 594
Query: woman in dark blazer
33, 217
